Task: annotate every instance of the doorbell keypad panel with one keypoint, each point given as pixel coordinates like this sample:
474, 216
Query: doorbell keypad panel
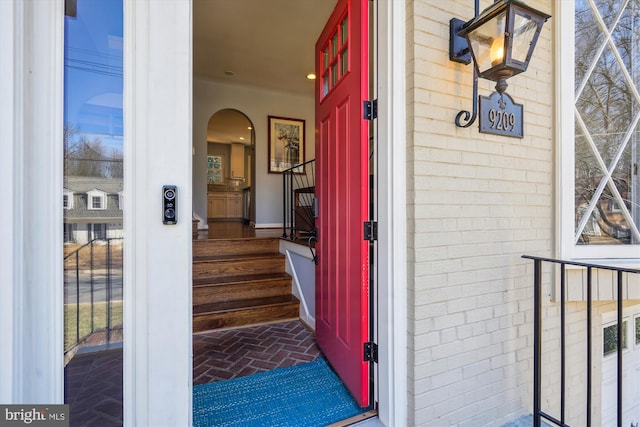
169, 204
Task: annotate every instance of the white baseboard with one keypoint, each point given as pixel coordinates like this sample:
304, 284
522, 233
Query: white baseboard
269, 225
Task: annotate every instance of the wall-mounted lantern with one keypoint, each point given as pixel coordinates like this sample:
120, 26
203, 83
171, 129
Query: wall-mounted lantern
499, 41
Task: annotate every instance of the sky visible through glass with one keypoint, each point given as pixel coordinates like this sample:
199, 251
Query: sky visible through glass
93, 76
93, 232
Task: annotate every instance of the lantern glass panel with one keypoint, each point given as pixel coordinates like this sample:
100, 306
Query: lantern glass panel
487, 43
524, 30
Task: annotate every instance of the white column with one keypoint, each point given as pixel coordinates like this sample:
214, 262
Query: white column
157, 257
7, 167
392, 193
31, 106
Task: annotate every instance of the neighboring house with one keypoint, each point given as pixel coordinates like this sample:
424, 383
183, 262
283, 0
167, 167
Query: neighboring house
456, 210
92, 208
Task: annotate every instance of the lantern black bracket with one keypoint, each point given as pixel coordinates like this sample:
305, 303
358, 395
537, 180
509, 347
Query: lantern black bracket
458, 46
469, 117
459, 51
499, 42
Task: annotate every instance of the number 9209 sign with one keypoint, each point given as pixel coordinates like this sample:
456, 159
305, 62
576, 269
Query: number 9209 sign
499, 115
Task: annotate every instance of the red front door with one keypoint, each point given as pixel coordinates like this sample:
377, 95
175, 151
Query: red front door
342, 188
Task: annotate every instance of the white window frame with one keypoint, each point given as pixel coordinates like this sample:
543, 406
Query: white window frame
98, 230
99, 194
69, 196
610, 318
565, 134
70, 230
629, 315
628, 346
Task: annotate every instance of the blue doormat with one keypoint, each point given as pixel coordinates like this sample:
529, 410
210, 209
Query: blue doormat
304, 395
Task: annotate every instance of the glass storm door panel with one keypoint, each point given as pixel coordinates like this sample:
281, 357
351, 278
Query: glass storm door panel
342, 186
92, 200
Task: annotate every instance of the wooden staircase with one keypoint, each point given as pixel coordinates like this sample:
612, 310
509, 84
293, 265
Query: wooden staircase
240, 282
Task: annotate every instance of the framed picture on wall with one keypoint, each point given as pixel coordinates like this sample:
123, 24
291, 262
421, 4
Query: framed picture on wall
286, 144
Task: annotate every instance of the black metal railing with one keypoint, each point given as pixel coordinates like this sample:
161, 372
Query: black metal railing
620, 273
298, 195
92, 293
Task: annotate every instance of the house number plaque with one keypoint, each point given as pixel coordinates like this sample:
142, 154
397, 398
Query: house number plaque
499, 115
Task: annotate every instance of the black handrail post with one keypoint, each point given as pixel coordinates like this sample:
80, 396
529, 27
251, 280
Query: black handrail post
562, 341
287, 213
621, 271
77, 299
284, 205
291, 182
620, 344
109, 296
537, 342
589, 343
292, 212
292, 216
92, 285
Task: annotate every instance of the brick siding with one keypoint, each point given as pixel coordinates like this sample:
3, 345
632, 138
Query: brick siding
476, 203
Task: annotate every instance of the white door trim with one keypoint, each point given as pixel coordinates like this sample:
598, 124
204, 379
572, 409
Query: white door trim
392, 242
157, 257
31, 280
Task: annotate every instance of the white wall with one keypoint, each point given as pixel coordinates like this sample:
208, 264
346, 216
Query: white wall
257, 104
302, 269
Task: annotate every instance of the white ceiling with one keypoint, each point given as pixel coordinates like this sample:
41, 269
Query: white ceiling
265, 43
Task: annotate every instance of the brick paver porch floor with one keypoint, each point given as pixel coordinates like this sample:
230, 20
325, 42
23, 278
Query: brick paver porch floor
93, 386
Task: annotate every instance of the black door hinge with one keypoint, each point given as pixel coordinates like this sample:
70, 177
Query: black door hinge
371, 352
370, 109
371, 231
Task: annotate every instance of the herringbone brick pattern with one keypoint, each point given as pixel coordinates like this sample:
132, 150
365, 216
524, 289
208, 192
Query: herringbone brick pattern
93, 389
223, 355
93, 386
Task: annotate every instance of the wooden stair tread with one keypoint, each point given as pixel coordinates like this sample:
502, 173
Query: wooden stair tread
218, 266
255, 303
239, 282
243, 318
209, 258
235, 246
229, 280
243, 239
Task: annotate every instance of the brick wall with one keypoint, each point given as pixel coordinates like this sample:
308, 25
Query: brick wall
476, 203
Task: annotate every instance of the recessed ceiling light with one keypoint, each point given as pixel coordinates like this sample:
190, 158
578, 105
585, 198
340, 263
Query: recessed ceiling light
249, 127
242, 138
311, 76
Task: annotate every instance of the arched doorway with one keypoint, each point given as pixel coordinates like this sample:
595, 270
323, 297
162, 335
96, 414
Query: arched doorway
231, 184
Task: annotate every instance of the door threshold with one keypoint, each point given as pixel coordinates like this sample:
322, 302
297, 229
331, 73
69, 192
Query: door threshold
357, 419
